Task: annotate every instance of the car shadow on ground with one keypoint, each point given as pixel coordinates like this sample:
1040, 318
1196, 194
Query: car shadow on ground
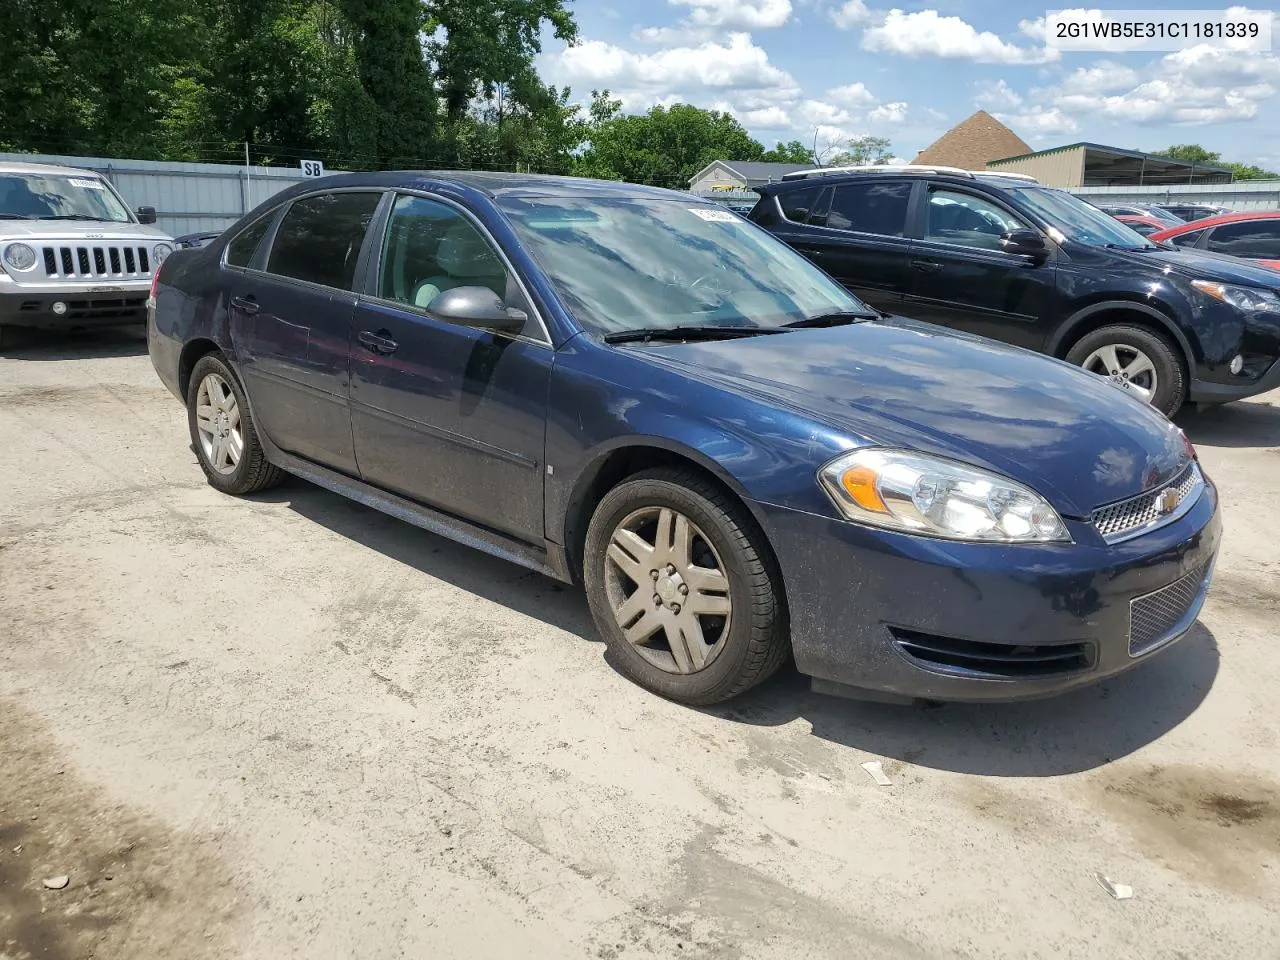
1245, 424
1066, 734
1070, 733
82, 344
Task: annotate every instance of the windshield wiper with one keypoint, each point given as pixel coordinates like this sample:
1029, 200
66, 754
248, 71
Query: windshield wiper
1130, 247
16, 216
837, 318
78, 216
667, 334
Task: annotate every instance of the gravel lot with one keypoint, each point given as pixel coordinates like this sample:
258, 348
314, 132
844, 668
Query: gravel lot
291, 727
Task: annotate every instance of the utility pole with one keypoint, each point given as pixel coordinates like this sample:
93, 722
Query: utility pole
248, 191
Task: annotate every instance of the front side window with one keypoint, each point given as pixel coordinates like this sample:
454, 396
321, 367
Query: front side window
241, 249
431, 247
26, 196
954, 217
319, 238
871, 207
1256, 239
622, 264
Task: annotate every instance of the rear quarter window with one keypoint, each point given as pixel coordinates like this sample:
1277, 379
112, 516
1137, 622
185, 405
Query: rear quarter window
245, 244
796, 204
1187, 239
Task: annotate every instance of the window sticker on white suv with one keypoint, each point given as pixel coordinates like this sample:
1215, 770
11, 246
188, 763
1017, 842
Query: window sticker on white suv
84, 184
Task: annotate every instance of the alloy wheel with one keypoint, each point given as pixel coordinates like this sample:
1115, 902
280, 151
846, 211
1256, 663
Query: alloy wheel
218, 424
668, 590
1127, 367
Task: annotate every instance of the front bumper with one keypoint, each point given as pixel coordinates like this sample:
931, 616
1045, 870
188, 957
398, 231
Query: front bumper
1209, 391
85, 305
933, 619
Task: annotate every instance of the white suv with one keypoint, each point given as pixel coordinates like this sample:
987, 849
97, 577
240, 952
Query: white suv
72, 254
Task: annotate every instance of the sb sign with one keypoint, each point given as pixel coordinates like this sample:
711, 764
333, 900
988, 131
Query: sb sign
312, 168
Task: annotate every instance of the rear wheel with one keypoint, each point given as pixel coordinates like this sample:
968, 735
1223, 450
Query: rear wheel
683, 588
1136, 359
223, 433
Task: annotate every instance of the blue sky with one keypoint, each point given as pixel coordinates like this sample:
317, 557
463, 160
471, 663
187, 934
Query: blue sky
909, 71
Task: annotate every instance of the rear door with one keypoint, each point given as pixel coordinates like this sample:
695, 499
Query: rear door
961, 278
291, 325
856, 232
449, 415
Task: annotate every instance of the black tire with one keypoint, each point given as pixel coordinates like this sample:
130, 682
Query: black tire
1171, 378
757, 641
253, 472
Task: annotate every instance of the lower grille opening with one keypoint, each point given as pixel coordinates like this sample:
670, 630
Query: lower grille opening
993, 660
123, 308
1156, 617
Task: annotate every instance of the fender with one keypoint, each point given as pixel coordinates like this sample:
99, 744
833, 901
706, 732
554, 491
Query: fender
1162, 320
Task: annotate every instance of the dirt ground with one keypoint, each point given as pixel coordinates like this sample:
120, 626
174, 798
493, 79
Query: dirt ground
291, 727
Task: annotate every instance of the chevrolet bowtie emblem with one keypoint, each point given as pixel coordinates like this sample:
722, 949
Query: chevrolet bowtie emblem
1167, 502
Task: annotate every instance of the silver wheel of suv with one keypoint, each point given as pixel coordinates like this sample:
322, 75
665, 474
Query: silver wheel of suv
667, 589
1126, 366
218, 424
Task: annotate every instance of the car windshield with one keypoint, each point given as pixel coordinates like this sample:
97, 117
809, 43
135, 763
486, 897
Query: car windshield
57, 197
625, 264
1078, 220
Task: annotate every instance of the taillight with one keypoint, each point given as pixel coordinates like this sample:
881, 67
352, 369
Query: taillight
155, 280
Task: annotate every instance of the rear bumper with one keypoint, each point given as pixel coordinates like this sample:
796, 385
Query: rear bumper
915, 617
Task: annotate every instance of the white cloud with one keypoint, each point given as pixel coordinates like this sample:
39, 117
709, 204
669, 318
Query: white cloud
1038, 123
1103, 77
1176, 100
927, 33
850, 14
737, 14
895, 112
853, 95
735, 64
997, 95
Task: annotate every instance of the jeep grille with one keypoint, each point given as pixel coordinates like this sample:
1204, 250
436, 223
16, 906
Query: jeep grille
77, 263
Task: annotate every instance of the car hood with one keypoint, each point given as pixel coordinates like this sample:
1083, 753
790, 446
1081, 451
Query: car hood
80, 230
1202, 265
1073, 437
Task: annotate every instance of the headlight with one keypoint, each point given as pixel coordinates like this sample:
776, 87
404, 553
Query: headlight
161, 251
1253, 299
20, 256
935, 497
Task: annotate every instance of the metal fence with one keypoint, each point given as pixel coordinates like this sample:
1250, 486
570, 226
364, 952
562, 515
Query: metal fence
1241, 195
188, 197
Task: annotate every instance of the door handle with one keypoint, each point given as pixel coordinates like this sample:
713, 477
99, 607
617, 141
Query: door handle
245, 304
926, 266
379, 342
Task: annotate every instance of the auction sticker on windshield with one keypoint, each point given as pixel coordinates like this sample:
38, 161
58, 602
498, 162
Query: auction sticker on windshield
715, 216
87, 184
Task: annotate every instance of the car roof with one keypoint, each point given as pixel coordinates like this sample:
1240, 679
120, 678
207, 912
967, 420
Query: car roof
494, 184
990, 178
1220, 219
14, 167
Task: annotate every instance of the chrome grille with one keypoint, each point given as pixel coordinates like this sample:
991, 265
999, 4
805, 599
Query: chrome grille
1159, 616
97, 262
1135, 516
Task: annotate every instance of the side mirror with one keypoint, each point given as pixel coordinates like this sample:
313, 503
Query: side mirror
1024, 243
146, 214
476, 307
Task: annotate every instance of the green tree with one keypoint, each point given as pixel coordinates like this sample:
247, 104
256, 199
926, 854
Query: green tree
793, 151
664, 147
861, 151
1194, 153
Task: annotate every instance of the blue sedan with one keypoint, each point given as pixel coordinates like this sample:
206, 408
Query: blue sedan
642, 392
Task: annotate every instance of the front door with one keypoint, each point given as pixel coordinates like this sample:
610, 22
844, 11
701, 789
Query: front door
448, 415
961, 278
291, 326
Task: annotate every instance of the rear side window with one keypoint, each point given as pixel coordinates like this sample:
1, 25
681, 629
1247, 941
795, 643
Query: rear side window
241, 250
319, 238
871, 207
1258, 239
1187, 239
796, 204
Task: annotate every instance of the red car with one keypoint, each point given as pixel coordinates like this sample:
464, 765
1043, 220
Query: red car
1254, 236
1141, 224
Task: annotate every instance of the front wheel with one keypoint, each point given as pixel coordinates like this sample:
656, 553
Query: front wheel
1138, 360
683, 588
